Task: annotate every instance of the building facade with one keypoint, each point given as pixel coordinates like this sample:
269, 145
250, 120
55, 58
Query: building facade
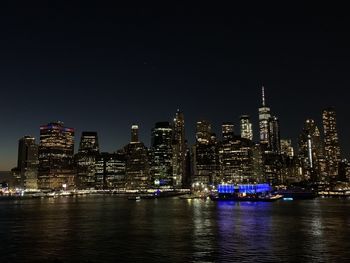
331, 142
56, 153
27, 164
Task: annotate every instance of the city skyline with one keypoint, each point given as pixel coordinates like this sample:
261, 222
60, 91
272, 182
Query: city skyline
146, 138
114, 67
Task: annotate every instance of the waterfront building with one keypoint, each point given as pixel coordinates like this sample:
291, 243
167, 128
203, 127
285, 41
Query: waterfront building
205, 155
27, 163
236, 161
137, 162
162, 154
179, 149
344, 171
110, 170
331, 142
56, 150
85, 160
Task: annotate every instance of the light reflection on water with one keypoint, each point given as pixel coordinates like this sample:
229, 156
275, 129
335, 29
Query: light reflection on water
106, 229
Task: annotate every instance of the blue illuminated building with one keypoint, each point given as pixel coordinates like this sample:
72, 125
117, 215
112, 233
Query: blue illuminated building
244, 188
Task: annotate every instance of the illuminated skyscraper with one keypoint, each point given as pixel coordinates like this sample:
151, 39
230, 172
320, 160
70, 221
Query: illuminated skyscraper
89, 143
137, 162
86, 159
110, 170
161, 154
236, 160
28, 162
56, 149
331, 142
179, 149
311, 152
287, 148
205, 155
264, 116
246, 127
227, 129
203, 132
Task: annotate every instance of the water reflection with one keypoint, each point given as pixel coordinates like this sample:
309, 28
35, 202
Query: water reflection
109, 229
243, 230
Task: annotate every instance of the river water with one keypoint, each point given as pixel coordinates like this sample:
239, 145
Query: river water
112, 229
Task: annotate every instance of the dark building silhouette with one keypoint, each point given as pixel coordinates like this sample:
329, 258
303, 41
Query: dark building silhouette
274, 135
27, 164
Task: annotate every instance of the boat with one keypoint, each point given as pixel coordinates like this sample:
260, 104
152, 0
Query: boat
245, 193
134, 197
39, 195
297, 194
247, 198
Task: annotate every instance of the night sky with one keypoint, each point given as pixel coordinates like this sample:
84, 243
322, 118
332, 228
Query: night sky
102, 69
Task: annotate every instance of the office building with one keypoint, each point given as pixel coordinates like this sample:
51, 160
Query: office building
162, 154
246, 127
56, 149
27, 164
331, 142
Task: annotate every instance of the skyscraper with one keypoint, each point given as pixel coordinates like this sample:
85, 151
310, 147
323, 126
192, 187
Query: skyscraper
203, 132
86, 159
236, 160
110, 170
246, 127
287, 148
205, 155
134, 133
311, 151
274, 135
264, 116
179, 149
162, 153
331, 141
56, 150
89, 142
137, 162
227, 129
28, 162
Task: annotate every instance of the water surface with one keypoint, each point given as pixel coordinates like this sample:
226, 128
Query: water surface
110, 229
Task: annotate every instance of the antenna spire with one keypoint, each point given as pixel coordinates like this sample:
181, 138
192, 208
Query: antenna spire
263, 96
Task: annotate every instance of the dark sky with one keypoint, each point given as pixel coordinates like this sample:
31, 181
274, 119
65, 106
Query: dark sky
104, 68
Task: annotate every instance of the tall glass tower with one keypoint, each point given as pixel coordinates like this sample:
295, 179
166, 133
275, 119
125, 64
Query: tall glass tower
179, 149
264, 117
